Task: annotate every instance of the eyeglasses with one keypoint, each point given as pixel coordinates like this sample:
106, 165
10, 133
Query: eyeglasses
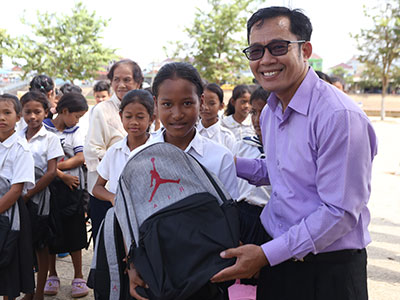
276, 48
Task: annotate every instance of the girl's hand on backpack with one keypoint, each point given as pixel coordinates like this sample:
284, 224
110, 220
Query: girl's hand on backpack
71, 181
134, 281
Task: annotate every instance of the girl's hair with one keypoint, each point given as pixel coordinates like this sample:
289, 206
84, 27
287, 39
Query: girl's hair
136, 70
14, 100
101, 86
41, 83
74, 102
35, 96
216, 89
237, 92
138, 96
259, 94
70, 88
178, 70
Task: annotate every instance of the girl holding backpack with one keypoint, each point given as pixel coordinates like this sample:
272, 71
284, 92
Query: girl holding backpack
177, 90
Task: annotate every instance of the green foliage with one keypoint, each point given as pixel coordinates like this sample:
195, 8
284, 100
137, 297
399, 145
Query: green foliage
380, 45
217, 38
66, 46
5, 44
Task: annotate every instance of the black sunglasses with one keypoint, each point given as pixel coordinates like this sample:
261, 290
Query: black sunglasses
276, 48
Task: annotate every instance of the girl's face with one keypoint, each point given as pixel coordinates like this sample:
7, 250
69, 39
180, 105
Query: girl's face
257, 107
123, 81
101, 96
136, 119
242, 106
70, 119
210, 105
34, 114
8, 119
178, 109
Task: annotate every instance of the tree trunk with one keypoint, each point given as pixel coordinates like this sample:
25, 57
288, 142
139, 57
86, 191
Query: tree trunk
385, 83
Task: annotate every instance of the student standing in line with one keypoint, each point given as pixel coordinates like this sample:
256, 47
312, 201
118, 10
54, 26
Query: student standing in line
105, 129
210, 125
177, 89
17, 171
67, 193
46, 148
237, 117
137, 114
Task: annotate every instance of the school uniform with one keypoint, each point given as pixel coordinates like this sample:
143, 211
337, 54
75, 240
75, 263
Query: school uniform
215, 157
17, 166
110, 169
67, 212
44, 146
218, 133
239, 130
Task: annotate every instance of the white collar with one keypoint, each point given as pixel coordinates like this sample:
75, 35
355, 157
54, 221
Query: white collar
42, 132
114, 99
211, 130
123, 145
11, 140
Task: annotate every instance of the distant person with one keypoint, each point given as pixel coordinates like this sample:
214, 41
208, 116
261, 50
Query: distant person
238, 120
210, 124
319, 148
70, 88
106, 128
101, 91
338, 82
324, 76
45, 85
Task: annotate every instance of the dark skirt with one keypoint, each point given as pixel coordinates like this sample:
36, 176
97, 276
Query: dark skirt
67, 220
42, 233
18, 276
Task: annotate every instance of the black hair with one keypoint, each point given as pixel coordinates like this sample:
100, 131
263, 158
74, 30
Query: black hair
324, 76
136, 70
101, 85
74, 102
35, 96
15, 101
216, 89
300, 24
336, 79
70, 88
177, 70
41, 83
138, 96
237, 92
259, 94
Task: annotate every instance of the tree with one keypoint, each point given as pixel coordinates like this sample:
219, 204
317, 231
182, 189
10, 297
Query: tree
217, 38
380, 46
5, 44
66, 46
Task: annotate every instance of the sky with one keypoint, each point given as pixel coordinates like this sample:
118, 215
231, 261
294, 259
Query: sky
140, 29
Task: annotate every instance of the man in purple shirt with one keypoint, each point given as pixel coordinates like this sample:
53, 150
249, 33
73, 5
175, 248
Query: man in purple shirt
319, 151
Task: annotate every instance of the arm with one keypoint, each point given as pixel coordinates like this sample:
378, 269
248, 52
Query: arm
11, 196
100, 192
71, 163
254, 170
45, 180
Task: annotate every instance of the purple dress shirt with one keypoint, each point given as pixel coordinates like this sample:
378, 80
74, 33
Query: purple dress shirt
319, 159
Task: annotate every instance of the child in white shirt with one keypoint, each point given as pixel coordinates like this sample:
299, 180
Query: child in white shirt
17, 172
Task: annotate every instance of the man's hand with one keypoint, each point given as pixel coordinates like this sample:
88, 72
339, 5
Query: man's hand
250, 259
134, 281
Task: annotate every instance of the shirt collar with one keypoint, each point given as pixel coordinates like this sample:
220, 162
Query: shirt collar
123, 145
48, 124
300, 102
211, 130
42, 132
11, 140
197, 143
114, 99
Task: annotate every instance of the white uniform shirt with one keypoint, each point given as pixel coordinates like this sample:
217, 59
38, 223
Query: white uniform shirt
249, 148
215, 157
218, 134
105, 129
239, 130
16, 162
113, 163
44, 146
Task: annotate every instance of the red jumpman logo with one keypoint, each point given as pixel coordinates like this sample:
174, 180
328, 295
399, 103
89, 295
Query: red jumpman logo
155, 176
